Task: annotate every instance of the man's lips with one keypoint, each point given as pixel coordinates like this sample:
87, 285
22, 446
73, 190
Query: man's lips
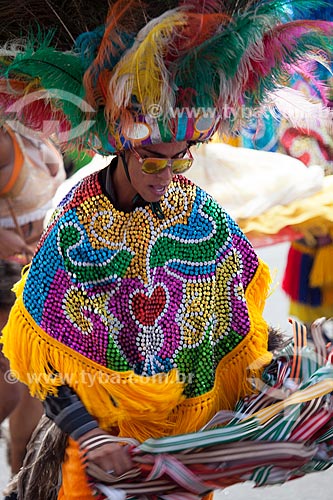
158, 189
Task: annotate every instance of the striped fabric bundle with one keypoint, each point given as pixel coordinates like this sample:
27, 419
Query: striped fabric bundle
282, 433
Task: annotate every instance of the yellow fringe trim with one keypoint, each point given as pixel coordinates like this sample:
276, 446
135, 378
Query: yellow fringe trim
308, 314
322, 269
130, 404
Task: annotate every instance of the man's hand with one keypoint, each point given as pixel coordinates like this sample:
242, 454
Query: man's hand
109, 456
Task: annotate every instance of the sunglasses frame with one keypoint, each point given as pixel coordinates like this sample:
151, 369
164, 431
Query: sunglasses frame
169, 162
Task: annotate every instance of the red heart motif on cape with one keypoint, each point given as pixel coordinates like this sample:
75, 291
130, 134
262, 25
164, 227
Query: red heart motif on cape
147, 309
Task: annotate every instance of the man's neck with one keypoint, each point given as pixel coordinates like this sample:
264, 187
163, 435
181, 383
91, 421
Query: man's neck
122, 188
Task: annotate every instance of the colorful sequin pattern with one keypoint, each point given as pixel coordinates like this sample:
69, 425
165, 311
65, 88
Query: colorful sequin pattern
131, 291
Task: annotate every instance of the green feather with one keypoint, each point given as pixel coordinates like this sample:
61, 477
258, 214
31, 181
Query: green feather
61, 74
203, 66
220, 58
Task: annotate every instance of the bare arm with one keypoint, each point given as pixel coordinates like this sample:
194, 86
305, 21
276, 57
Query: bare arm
12, 244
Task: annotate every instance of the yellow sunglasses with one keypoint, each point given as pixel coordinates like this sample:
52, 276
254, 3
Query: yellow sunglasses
156, 165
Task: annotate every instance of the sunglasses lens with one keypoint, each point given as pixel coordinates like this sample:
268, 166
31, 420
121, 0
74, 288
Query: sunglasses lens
181, 165
154, 165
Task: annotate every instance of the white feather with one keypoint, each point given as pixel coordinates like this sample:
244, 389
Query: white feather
300, 110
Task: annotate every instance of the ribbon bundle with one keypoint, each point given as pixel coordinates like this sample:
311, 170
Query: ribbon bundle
282, 433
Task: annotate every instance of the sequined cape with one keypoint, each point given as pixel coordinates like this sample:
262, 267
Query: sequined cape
140, 314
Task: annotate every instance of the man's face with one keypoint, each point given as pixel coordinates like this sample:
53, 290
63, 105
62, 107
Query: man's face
152, 187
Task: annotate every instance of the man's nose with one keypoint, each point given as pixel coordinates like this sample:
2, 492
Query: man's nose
166, 173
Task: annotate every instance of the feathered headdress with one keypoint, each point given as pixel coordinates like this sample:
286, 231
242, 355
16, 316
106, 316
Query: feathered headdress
149, 75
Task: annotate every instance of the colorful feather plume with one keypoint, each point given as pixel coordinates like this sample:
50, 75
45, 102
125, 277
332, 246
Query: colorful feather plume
226, 57
43, 88
111, 48
249, 57
142, 73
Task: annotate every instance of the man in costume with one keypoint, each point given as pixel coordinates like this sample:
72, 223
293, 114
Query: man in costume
141, 313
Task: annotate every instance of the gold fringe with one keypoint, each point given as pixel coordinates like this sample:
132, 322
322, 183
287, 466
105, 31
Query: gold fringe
307, 314
137, 406
322, 269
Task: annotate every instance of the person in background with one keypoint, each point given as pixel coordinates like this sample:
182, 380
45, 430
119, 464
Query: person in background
307, 279
31, 169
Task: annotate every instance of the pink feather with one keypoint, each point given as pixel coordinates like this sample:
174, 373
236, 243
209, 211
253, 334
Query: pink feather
276, 45
39, 114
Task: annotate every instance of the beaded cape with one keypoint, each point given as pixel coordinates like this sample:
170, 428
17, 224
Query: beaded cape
170, 309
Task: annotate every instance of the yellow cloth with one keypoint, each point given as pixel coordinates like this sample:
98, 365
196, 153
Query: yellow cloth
308, 314
312, 214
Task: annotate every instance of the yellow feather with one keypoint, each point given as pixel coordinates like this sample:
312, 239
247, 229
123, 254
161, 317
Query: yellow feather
142, 72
